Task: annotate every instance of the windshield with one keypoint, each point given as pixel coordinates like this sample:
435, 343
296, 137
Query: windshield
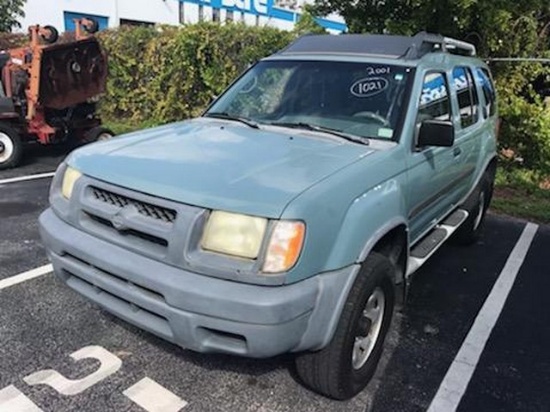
360, 99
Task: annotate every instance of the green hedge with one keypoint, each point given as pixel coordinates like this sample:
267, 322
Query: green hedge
159, 75
524, 139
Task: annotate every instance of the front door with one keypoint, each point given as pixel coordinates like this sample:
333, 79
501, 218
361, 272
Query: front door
432, 170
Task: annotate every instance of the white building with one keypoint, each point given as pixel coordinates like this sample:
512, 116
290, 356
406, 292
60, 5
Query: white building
112, 13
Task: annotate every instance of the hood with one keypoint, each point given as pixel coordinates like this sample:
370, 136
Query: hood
219, 164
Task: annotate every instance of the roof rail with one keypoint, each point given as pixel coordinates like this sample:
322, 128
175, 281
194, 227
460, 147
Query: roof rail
396, 47
423, 43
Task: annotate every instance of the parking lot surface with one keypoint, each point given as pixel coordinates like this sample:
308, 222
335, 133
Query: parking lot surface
42, 323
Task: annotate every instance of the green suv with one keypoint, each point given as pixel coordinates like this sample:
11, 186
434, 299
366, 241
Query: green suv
292, 214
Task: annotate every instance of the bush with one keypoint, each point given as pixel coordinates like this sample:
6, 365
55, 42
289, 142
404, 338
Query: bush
163, 74
525, 133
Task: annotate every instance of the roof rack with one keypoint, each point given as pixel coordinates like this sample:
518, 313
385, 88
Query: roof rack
397, 47
439, 43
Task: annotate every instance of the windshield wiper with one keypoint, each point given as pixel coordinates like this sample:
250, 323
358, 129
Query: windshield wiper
328, 130
227, 116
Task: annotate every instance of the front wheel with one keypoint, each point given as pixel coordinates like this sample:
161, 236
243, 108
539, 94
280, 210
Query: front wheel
346, 365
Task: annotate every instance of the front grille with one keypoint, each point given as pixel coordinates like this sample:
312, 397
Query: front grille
129, 232
146, 209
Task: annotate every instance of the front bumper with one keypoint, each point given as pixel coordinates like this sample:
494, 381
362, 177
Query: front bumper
198, 312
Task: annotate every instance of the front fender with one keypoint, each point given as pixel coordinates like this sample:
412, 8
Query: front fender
347, 210
369, 218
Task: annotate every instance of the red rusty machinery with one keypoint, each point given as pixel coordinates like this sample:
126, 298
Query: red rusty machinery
49, 85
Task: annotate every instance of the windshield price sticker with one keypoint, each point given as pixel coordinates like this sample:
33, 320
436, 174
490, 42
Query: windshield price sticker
368, 87
376, 71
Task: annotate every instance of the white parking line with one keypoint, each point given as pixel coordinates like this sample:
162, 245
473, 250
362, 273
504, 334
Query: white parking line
13, 400
458, 376
154, 397
22, 277
28, 177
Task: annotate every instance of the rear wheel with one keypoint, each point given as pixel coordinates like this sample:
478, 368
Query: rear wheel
50, 35
346, 365
11, 147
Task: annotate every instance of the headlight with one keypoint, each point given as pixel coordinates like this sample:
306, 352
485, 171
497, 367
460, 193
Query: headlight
284, 246
234, 234
69, 179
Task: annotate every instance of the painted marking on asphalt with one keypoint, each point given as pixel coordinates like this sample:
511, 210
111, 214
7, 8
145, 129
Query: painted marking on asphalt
13, 400
458, 376
22, 277
28, 177
109, 364
154, 397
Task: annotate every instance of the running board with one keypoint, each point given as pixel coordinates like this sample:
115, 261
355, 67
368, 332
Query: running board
424, 249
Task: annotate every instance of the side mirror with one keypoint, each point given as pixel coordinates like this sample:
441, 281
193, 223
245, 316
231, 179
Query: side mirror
437, 133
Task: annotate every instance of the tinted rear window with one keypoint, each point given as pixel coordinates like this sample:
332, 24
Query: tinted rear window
467, 95
483, 77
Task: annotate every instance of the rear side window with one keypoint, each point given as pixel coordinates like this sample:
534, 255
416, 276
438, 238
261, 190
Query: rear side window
484, 79
466, 92
434, 101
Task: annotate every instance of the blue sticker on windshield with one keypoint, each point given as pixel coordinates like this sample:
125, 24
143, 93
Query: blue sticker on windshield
368, 87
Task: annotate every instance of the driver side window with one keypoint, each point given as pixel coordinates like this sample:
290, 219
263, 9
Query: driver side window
434, 100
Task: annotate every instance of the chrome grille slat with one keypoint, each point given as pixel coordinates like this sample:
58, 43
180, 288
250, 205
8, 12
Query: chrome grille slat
163, 214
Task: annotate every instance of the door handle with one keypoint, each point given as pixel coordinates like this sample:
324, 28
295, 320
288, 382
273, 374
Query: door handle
457, 151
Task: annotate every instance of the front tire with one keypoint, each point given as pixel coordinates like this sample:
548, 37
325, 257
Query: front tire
11, 147
347, 364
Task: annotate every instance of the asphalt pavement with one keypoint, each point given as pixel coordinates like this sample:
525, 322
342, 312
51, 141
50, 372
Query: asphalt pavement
42, 323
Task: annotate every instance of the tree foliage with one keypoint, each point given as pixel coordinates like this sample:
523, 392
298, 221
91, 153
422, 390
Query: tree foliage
10, 12
307, 24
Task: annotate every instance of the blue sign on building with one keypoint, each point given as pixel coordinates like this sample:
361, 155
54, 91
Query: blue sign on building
267, 8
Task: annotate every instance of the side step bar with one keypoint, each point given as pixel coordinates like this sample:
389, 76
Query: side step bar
424, 249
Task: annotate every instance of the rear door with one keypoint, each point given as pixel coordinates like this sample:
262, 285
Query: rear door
469, 131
